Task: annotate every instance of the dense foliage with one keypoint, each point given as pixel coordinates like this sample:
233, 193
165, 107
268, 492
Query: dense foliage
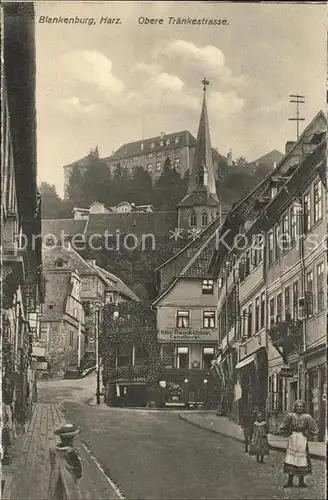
135, 324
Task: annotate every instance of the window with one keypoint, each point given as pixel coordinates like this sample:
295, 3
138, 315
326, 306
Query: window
167, 142
279, 308
285, 232
183, 319
135, 158
71, 339
317, 194
158, 165
287, 304
152, 145
277, 393
150, 155
257, 250
208, 287
176, 161
87, 308
87, 283
208, 355
149, 167
257, 314
177, 140
262, 310
243, 323
161, 143
270, 247
295, 300
59, 263
307, 213
293, 225
124, 355
272, 312
208, 319
158, 154
183, 357
204, 219
277, 242
249, 320
168, 355
247, 263
309, 292
192, 219
320, 287
140, 355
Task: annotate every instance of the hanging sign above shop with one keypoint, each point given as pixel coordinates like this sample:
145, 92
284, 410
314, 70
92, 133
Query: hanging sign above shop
287, 372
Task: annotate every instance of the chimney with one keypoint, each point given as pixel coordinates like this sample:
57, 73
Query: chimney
288, 147
229, 158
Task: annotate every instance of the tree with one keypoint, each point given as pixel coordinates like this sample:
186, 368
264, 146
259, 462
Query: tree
97, 183
76, 189
169, 188
50, 201
141, 189
121, 184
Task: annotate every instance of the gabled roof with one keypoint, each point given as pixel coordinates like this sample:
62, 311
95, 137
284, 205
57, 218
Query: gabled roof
138, 223
142, 147
61, 227
120, 286
86, 161
199, 197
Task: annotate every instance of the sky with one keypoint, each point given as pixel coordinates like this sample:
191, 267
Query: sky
108, 84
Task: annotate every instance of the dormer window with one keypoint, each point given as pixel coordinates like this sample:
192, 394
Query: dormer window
59, 263
273, 191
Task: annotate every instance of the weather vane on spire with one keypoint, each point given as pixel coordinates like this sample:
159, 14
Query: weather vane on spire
205, 82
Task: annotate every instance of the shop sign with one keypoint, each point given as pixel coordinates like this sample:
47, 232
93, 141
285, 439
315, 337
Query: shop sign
287, 372
131, 379
177, 334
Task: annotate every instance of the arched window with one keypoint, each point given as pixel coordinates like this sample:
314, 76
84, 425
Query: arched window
192, 219
204, 218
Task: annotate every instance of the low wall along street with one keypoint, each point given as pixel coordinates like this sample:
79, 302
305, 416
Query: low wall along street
189, 335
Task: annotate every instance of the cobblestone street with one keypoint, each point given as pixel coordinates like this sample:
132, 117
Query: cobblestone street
155, 455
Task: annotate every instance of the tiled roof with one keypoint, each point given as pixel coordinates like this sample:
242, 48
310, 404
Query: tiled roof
120, 286
198, 266
86, 161
199, 197
134, 148
138, 223
58, 227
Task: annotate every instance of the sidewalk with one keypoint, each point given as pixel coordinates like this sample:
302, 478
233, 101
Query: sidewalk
224, 426
27, 477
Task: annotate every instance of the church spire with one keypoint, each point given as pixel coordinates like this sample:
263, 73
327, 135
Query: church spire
201, 204
202, 173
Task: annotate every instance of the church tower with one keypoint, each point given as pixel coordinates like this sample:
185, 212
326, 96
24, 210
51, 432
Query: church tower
201, 204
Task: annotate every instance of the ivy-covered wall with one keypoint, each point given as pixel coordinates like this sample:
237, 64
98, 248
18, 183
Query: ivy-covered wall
133, 323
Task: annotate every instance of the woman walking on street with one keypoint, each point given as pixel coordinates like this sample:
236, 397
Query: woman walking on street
259, 442
299, 427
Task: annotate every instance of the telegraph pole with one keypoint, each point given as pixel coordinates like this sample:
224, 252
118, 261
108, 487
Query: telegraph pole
297, 99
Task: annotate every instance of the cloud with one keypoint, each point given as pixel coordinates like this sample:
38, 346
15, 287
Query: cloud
166, 82
225, 103
208, 60
73, 105
209, 56
91, 67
